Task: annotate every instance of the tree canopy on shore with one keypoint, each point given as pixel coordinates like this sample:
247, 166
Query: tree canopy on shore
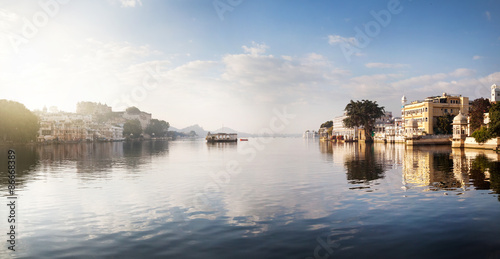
478, 108
493, 130
17, 123
444, 124
327, 124
363, 114
132, 128
157, 127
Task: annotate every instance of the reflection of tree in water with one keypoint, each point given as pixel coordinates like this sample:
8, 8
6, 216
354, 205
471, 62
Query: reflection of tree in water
92, 160
442, 176
136, 153
495, 178
158, 147
363, 165
26, 162
95, 159
480, 165
477, 170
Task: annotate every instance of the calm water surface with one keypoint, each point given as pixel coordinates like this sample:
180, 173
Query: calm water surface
287, 198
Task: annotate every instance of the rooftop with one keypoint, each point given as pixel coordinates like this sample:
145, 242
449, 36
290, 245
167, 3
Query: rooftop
437, 97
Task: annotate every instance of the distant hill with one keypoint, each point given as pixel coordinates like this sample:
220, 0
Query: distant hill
173, 129
229, 130
196, 128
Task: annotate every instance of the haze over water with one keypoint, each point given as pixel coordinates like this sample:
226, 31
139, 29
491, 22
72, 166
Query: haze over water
289, 198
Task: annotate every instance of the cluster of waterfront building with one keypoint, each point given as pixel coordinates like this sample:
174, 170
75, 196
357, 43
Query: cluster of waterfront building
418, 123
91, 122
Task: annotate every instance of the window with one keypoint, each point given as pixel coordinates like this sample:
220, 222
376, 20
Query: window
445, 110
451, 110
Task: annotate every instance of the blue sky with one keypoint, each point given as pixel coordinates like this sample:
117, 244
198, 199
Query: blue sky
187, 62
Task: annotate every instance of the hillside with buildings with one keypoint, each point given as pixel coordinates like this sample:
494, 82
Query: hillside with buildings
91, 122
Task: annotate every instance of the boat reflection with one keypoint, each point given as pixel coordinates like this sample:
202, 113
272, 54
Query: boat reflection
222, 145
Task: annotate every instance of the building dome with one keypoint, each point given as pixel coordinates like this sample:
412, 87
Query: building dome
460, 119
494, 86
403, 99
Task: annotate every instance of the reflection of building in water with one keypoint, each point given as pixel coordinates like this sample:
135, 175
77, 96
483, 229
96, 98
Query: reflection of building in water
100, 157
416, 168
452, 169
325, 147
437, 169
433, 167
461, 167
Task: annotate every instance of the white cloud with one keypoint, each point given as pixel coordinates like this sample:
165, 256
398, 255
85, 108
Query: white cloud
256, 49
477, 57
385, 65
488, 15
462, 72
130, 3
336, 39
460, 81
375, 87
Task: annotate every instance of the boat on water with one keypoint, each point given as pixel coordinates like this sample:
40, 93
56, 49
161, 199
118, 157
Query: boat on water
243, 139
221, 137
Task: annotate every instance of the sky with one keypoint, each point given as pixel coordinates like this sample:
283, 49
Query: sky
281, 66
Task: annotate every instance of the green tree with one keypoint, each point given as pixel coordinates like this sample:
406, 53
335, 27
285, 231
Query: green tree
494, 125
133, 110
481, 135
363, 114
443, 125
132, 127
157, 127
477, 109
327, 124
493, 130
17, 124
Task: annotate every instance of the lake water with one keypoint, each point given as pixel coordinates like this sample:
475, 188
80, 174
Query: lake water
285, 198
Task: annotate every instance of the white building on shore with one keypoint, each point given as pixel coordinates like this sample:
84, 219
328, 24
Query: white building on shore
340, 130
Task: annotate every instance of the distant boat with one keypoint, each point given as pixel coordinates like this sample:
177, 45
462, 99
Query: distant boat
243, 139
221, 137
